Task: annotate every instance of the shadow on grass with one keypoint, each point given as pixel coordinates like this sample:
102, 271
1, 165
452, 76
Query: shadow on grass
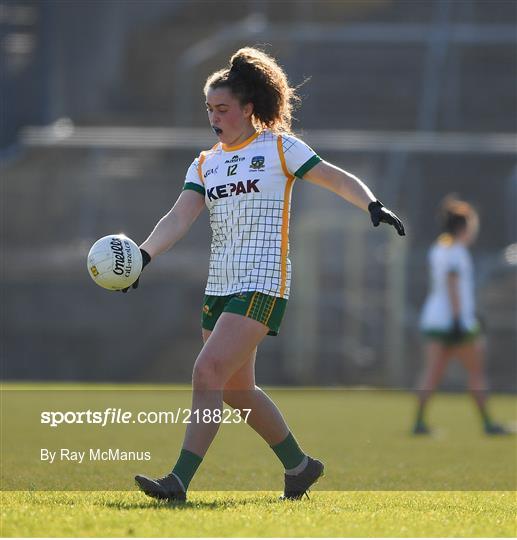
189, 505
114, 501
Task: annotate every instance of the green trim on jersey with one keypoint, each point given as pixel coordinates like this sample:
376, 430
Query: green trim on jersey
194, 187
307, 166
266, 309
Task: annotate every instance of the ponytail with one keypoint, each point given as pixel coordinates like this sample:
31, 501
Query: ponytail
255, 77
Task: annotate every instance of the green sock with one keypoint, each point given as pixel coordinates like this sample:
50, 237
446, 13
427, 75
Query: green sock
420, 415
482, 408
186, 467
485, 417
288, 452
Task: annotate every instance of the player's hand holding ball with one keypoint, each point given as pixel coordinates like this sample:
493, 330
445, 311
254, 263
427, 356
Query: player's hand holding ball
146, 259
115, 262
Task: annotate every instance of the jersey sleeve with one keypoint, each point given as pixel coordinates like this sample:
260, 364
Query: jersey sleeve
299, 157
192, 179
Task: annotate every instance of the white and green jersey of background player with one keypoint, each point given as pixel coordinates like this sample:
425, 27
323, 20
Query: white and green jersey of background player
247, 190
445, 257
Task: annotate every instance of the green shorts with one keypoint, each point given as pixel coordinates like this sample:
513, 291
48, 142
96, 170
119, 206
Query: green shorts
268, 310
446, 339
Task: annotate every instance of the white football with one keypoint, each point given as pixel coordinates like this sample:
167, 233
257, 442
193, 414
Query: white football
114, 262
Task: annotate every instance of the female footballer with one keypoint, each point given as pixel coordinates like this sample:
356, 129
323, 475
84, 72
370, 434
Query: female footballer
448, 319
245, 181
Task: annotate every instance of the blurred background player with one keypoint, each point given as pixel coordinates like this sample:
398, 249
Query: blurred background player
448, 319
246, 181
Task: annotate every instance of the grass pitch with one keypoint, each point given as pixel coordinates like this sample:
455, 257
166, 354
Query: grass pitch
379, 480
241, 514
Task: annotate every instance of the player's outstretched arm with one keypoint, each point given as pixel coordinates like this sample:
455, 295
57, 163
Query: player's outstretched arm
171, 228
175, 224
353, 190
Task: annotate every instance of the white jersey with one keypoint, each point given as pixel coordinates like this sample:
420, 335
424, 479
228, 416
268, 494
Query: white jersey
445, 257
247, 190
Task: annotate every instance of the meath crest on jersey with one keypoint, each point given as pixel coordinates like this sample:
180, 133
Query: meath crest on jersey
257, 163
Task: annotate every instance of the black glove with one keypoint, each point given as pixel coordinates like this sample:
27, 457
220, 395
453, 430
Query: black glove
456, 332
379, 214
146, 259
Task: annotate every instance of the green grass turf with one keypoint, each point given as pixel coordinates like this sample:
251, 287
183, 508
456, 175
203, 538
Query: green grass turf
379, 480
234, 514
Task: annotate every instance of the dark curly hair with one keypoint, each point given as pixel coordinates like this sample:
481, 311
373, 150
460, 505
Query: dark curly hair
255, 77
